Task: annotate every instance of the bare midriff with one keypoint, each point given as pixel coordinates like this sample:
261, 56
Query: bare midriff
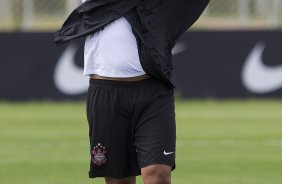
137, 78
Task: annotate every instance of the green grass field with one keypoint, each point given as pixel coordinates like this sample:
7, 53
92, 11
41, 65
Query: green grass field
219, 142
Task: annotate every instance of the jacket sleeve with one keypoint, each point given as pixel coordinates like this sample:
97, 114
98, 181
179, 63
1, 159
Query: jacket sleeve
163, 21
183, 16
90, 17
92, 4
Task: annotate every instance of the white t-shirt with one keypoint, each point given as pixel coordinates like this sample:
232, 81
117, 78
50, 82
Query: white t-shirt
112, 51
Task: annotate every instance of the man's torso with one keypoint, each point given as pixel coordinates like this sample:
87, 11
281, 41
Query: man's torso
112, 52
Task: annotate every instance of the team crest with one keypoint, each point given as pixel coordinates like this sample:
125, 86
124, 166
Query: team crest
99, 155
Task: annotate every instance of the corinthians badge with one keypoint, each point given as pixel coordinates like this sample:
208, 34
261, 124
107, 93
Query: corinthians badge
99, 155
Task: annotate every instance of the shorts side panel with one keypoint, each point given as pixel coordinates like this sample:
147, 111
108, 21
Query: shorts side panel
111, 149
155, 136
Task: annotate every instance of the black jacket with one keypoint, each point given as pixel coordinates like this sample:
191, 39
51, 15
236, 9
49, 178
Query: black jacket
157, 24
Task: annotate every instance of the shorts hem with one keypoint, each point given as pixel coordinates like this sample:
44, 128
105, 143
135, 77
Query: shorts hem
173, 166
92, 175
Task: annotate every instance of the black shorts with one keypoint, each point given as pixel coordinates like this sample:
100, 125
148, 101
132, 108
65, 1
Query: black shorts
131, 126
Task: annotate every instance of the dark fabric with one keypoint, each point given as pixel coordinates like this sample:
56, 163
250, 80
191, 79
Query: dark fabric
92, 16
157, 25
131, 125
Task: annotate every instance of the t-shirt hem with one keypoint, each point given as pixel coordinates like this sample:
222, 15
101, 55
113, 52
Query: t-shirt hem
119, 75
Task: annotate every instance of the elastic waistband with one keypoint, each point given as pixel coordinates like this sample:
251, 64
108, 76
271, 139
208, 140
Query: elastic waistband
123, 84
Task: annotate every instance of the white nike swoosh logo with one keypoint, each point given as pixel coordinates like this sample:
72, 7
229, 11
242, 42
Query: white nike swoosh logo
168, 153
259, 78
178, 48
68, 77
